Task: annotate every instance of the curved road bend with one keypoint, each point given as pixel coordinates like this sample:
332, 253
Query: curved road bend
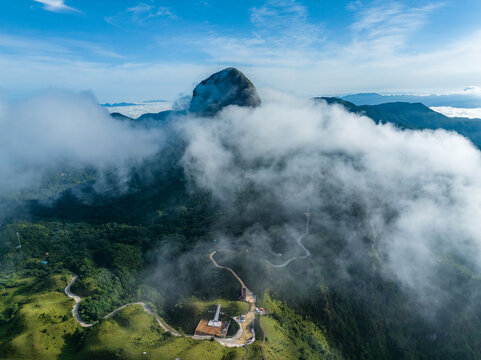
299, 239
149, 311
229, 342
227, 268
77, 299
108, 316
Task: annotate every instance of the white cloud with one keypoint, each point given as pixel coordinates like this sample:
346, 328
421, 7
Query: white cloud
13, 43
354, 5
391, 19
383, 31
414, 196
287, 50
109, 82
62, 48
284, 49
285, 21
56, 5
134, 111
40, 133
141, 14
473, 90
471, 113
282, 35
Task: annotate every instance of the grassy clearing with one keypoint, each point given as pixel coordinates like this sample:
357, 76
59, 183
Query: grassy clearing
186, 314
132, 331
290, 336
40, 324
37, 323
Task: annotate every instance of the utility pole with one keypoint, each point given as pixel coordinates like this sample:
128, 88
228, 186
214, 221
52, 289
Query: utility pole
19, 246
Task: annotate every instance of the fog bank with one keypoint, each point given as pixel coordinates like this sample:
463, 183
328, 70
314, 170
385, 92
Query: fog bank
412, 198
56, 130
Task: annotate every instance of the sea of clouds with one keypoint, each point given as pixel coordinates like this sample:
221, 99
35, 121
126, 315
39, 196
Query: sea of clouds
58, 128
419, 191
471, 113
134, 111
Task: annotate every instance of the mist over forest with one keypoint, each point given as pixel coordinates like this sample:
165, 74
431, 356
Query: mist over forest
268, 179
391, 212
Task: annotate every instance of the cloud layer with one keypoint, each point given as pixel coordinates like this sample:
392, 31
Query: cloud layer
414, 196
411, 199
63, 129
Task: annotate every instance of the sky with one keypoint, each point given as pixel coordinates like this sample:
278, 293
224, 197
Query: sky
128, 50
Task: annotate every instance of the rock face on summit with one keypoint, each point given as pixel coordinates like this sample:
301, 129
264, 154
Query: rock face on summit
227, 87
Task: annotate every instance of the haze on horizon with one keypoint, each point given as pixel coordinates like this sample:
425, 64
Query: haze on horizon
149, 49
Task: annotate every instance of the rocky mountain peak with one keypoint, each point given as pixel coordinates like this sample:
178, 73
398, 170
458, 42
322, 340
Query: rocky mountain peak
226, 87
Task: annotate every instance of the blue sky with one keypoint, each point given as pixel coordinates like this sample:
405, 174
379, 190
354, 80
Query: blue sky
139, 50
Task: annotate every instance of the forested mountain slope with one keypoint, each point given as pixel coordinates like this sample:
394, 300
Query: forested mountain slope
358, 292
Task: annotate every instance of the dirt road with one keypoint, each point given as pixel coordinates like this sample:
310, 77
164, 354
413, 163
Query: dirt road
248, 335
227, 268
243, 337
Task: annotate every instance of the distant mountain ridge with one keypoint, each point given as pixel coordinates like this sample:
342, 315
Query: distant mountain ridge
455, 100
133, 104
413, 116
118, 104
232, 87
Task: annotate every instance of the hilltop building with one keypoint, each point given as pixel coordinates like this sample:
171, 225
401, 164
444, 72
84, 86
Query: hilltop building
213, 327
247, 295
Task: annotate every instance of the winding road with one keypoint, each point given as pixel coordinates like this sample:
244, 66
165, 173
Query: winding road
77, 299
244, 336
82, 323
247, 336
299, 239
227, 268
